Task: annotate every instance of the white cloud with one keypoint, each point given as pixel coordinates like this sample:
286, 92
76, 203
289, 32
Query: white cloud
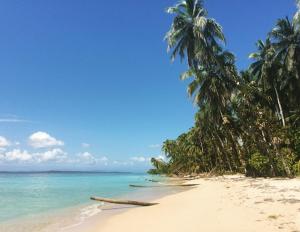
103, 159
86, 155
16, 155
42, 139
4, 142
122, 163
140, 159
85, 145
57, 155
12, 120
88, 158
155, 146
52, 155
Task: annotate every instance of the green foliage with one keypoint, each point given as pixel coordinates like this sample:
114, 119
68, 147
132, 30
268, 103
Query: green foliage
192, 31
286, 159
258, 165
247, 122
296, 168
296, 141
161, 167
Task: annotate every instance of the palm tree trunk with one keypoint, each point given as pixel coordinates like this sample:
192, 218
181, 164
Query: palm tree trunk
235, 152
285, 166
280, 107
224, 152
269, 153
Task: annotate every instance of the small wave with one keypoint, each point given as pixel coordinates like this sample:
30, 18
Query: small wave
85, 213
89, 211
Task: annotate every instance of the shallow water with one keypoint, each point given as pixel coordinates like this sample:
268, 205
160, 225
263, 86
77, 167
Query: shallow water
55, 200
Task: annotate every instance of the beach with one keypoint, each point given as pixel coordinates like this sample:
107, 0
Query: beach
226, 203
58, 201
150, 116
218, 203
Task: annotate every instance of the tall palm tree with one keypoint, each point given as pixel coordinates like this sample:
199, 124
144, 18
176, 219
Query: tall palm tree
297, 15
212, 85
262, 59
237, 125
265, 71
286, 37
192, 34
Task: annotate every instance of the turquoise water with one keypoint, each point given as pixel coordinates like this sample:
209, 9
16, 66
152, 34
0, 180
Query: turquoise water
29, 194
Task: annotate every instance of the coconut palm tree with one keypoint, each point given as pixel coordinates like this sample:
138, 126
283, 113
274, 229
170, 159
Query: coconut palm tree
213, 85
286, 37
266, 71
192, 33
236, 126
297, 15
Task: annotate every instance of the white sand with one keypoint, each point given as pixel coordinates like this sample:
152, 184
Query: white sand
221, 204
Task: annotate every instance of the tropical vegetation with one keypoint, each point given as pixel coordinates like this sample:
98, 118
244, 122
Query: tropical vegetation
247, 121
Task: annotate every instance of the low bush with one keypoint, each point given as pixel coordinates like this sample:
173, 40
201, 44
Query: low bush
258, 165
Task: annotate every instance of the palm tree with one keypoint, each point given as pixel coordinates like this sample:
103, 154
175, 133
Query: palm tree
265, 71
297, 15
213, 85
286, 36
237, 125
192, 34
160, 166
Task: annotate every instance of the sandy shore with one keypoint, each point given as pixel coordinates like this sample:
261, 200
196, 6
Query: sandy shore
229, 203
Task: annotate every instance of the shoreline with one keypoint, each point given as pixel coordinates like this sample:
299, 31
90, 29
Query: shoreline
223, 203
83, 210
228, 203
109, 211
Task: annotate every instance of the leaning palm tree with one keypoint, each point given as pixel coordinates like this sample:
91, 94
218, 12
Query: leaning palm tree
213, 85
286, 37
265, 70
262, 59
297, 15
192, 34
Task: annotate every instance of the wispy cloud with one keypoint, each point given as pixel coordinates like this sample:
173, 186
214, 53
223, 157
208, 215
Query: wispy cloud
85, 145
122, 163
11, 118
88, 158
16, 120
140, 159
155, 146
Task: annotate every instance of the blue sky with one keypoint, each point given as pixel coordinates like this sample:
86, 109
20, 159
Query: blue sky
88, 85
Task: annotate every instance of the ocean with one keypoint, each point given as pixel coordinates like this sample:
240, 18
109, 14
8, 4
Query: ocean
41, 201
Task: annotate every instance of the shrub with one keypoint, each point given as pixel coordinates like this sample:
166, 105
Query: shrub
288, 157
258, 165
296, 137
296, 168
